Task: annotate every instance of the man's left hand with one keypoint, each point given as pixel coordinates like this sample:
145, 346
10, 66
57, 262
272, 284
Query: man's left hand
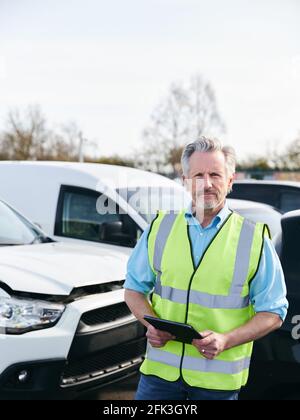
211, 345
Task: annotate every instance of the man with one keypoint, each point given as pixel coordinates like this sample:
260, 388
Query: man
212, 269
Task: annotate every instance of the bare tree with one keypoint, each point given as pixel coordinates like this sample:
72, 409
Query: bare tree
27, 138
204, 117
185, 114
64, 142
273, 159
255, 162
291, 158
112, 160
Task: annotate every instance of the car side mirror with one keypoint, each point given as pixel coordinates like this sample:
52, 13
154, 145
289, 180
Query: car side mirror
290, 245
115, 233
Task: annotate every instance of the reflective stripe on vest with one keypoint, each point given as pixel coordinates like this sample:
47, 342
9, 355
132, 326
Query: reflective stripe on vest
161, 240
234, 299
199, 298
197, 363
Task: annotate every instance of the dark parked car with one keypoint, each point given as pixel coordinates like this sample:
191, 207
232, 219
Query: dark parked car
283, 195
275, 368
258, 212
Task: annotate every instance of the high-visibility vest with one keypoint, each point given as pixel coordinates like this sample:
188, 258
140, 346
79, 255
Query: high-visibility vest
211, 296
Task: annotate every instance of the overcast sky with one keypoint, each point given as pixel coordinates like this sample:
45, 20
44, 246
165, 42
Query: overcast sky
107, 64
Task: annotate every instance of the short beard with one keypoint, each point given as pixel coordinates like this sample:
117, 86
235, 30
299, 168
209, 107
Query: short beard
203, 205
210, 205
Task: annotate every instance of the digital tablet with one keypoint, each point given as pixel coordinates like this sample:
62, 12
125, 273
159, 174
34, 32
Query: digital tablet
183, 332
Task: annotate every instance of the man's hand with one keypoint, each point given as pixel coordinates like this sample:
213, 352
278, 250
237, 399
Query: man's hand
211, 345
259, 326
158, 338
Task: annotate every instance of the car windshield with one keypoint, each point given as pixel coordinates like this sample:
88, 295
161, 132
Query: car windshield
147, 200
16, 230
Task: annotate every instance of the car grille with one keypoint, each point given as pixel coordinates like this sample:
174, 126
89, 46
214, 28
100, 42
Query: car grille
105, 362
107, 314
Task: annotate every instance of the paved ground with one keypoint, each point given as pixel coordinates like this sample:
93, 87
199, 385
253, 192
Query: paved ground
124, 390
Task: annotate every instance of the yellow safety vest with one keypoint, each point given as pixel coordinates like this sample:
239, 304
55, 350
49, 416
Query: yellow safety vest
212, 296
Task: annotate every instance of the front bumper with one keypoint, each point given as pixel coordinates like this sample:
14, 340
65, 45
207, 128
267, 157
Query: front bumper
44, 382
96, 356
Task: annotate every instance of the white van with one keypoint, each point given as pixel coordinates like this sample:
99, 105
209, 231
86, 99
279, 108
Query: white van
63, 199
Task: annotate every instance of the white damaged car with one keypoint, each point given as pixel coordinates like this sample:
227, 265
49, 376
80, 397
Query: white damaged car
64, 325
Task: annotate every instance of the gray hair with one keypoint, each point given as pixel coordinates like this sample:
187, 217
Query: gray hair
204, 144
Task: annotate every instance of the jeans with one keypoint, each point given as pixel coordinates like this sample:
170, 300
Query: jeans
154, 388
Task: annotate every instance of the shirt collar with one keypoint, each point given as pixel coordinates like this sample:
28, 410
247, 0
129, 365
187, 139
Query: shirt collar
218, 220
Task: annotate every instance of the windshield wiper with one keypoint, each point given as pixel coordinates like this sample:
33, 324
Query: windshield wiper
9, 244
41, 239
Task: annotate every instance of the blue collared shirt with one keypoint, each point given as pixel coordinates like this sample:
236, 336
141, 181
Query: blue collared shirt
267, 290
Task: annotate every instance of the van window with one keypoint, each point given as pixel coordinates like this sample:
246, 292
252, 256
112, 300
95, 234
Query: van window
79, 217
148, 200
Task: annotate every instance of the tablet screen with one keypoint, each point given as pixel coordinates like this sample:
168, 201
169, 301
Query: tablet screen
183, 332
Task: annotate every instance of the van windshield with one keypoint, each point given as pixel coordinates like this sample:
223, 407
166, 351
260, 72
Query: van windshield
148, 200
16, 230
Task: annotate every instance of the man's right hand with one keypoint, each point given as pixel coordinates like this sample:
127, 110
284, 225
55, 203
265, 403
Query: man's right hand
158, 338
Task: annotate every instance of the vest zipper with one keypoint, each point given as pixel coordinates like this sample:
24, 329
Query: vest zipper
191, 280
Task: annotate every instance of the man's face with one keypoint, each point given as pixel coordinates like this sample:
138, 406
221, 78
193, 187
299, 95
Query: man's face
208, 180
